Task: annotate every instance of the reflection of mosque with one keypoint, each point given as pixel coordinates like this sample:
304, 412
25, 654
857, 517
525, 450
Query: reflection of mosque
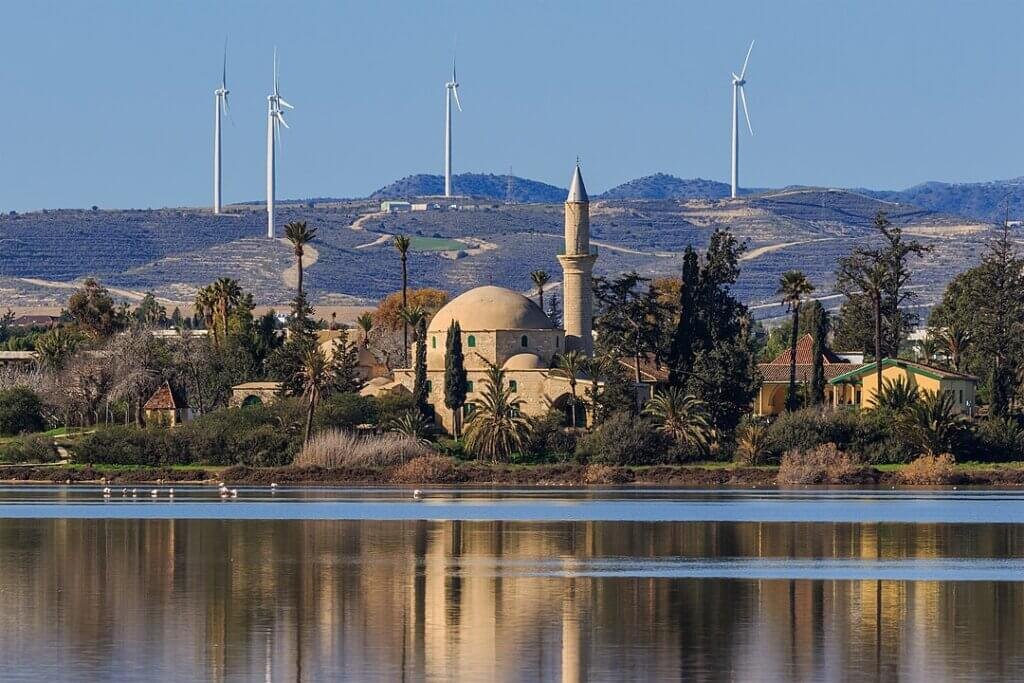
221, 600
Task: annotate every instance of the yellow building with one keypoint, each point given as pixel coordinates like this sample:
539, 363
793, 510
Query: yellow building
859, 386
771, 399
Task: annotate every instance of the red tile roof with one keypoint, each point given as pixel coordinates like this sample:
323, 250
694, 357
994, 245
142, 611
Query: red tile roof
162, 399
805, 353
776, 373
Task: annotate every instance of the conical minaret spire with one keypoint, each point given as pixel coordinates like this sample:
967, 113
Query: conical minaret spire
577, 269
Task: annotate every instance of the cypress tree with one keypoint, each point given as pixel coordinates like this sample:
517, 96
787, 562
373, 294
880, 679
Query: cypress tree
419, 387
682, 349
455, 382
819, 329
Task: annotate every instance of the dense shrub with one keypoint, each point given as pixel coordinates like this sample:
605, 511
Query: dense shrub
391, 407
427, 469
120, 445
751, 446
930, 470
870, 434
336, 448
997, 439
823, 464
549, 439
623, 439
250, 435
346, 411
28, 449
21, 411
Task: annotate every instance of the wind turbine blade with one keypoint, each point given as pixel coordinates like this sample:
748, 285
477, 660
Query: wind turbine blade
735, 77
224, 72
275, 70
743, 71
455, 91
745, 112
282, 102
280, 118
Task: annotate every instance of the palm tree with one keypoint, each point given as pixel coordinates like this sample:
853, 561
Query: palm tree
540, 278
205, 306
315, 374
365, 323
570, 366
402, 244
927, 348
955, 340
933, 423
751, 442
596, 368
299, 235
226, 294
412, 424
55, 347
497, 428
793, 286
411, 316
897, 396
681, 417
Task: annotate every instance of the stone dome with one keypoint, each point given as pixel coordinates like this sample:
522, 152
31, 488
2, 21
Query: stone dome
524, 361
491, 308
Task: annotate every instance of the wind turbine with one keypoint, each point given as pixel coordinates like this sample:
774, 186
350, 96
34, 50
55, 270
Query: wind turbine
275, 119
737, 95
451, 88
220, 106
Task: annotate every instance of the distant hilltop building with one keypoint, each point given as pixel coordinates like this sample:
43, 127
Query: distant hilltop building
506, 329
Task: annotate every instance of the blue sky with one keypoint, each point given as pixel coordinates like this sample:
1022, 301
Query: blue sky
111, 102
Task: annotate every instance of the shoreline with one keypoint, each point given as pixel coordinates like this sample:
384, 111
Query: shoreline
470, 473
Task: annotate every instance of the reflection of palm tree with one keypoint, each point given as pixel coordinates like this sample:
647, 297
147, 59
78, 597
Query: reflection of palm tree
299, 235
402, 244
497, 428
681, 417
540, 278
793, 286
365, 323
570, 366
315, 375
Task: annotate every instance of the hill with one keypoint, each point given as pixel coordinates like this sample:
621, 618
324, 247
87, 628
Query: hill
481, 185
988, 201
665, 186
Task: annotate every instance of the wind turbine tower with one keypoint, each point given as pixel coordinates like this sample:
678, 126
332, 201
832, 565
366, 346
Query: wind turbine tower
737, 96
451, 89
275, 119
220, 106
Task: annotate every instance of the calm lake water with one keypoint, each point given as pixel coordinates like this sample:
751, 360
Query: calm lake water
367, 585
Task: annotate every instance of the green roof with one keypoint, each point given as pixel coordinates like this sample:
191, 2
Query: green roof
916, 368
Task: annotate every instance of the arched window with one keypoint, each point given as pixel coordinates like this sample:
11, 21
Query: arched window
433, 341
524, 341
471, 341
513, 386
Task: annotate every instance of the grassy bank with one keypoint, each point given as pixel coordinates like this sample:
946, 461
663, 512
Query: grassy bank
439, 470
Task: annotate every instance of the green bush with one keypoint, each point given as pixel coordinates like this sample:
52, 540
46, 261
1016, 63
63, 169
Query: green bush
623, 439
245, 436
549, 439
391, 407
28, 449
120, 445
21, 411
346, 411
870, 434
997, 439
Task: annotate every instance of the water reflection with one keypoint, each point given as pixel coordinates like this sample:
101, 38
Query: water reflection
115, 599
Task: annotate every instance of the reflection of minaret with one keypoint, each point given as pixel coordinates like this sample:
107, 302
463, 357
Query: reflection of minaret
577, 266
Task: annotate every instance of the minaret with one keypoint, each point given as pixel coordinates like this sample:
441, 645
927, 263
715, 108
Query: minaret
577, 266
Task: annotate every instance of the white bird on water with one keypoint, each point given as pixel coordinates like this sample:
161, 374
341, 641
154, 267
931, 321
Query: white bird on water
135, 492
170, 493
234, 493
154, 493
124, 492
417, 495
106, 492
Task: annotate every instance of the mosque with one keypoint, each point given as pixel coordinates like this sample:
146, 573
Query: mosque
504, 328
